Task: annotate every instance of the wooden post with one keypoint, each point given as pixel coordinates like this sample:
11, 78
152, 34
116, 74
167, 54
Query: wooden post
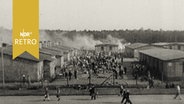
2, 57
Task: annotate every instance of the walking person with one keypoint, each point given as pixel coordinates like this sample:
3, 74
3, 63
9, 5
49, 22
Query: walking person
178, 92
58, 93
127, 97
123, 96
46, 96
121, 90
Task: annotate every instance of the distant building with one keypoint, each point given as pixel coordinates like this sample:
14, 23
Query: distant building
55, 54
162, 45
67, 52
172, 45
128, 64
165, 64
132, 50
57, 63
106, 48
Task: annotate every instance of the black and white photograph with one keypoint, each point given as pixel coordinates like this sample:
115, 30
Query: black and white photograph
97, 52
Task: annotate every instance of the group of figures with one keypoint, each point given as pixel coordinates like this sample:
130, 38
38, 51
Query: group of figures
95, 63
124, 93
47, 96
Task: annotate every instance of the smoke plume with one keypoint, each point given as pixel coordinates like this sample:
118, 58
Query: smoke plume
76, 39
5, 36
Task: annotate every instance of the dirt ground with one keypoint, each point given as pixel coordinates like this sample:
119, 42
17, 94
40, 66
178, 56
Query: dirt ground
136, 99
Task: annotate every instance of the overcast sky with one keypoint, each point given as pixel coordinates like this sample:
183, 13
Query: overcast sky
104, 14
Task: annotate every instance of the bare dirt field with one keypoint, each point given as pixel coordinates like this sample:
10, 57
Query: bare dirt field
136, 99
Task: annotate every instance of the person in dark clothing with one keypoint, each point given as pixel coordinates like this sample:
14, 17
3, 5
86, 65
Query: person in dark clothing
121, 90
127, 97
58, 93
75, 74
125, 69
46, 94
66, 74
70, 75
151, 83
93, 93
116, 74
123, 95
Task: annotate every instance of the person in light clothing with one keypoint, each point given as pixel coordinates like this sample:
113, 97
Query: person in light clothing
178, 92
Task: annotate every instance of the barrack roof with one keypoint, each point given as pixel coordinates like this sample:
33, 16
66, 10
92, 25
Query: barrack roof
164, 54
26, 55
136, 45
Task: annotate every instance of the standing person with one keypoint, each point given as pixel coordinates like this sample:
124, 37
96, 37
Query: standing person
46, 96
93, 93
66, 74
151, 83
75, 73
127, 97
23, 80
70, 75
116, 74
178, 92
58, 93
125, 70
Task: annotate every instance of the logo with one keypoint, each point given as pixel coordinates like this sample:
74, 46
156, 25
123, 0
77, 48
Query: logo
25, 39
25, 34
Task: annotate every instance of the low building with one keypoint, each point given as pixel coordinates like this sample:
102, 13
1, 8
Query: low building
25, 64
172, 45
128, 63
180, 46
57, 63
106, 48
162, 45
132, 50
67, 52
165, 64
55, 54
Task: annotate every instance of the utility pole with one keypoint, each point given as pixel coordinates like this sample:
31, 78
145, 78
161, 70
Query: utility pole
67, 80
2, 58
113, 78
89, 72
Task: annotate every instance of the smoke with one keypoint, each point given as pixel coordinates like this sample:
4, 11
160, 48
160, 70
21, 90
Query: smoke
79, 41
113, 40
5, 35
71, 39
76, 40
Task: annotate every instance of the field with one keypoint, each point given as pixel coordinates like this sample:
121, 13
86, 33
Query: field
136, 99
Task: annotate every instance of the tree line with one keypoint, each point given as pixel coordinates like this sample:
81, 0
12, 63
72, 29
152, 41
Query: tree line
143, 36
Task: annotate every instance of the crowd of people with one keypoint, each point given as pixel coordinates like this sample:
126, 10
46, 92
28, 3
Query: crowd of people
142, 73
96, 63
100, 63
